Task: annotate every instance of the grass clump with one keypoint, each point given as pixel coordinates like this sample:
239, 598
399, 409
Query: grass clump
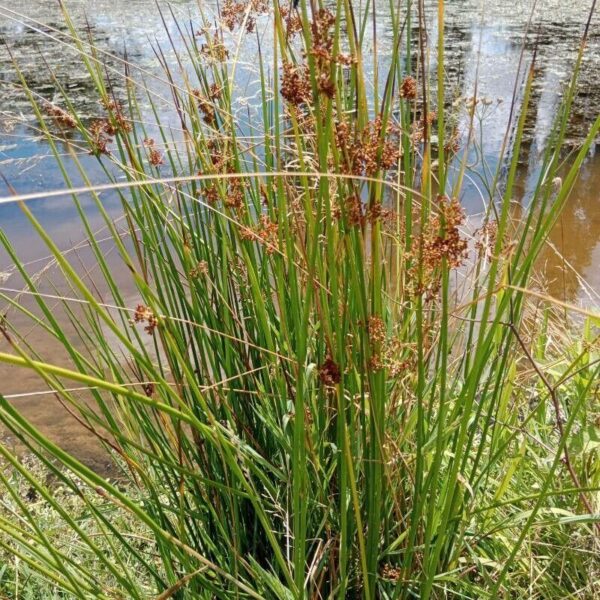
317, 383
24, 498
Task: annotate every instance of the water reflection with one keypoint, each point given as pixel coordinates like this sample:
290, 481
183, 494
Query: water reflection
577, 238
485, 42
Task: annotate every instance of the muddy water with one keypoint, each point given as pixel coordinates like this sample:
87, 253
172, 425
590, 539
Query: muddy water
485, 42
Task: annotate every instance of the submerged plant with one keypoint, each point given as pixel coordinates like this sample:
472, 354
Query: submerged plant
299, 399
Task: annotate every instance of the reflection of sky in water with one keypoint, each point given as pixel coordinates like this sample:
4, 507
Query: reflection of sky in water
29, 166
484, 42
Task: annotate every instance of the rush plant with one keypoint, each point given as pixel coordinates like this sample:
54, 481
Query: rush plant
317, 381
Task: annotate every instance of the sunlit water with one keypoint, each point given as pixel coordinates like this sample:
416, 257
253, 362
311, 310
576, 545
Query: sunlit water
485, 43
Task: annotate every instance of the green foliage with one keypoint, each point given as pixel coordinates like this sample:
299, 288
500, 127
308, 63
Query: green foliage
301, 401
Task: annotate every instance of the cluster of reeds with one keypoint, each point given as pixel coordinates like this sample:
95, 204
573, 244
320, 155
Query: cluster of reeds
319, 383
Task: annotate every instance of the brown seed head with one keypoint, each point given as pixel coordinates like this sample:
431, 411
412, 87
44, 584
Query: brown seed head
408, 88
329, 373
295, 84
61, 116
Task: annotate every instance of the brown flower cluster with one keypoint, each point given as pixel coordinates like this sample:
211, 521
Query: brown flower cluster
215, 92
375, 363
441, 240
399, 358
358, 214
376, 329
199, 270
377, 337
345, 59
295, 84
117, 121
268, 234
408, 88
233, 13
292, 20
210, 193
144, 314
452, 146
61, 116
329, 373
218, 154
100, 137
392, 354
216, 51
377, 212
155, 157
375, 150
235, 194
322, 50
355, 214
259, 7
342, 134
417, 134
206, 107
102, 131
391, 573
486, 236
322, 38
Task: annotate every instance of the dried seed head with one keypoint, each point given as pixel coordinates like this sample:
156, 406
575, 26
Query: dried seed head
206, 107
211, 193
486, 239
155, 157
199, 270
321, 30
391, 573
326, 86
235, 194
215, 91
329, 373
375, 363
408, 88
293, 22
342, 134
149, 389
443, 240
452, 146
295, 84
268, 234
61, 116
144, 314
354, 211
215, 51
100, 137
376, 328
116, 121
440, 240
234, 13
345, 59
375, 150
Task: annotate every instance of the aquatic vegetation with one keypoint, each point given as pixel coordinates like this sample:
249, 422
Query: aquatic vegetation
319, 381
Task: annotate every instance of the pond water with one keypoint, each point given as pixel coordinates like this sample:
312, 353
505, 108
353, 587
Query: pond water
485, 41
